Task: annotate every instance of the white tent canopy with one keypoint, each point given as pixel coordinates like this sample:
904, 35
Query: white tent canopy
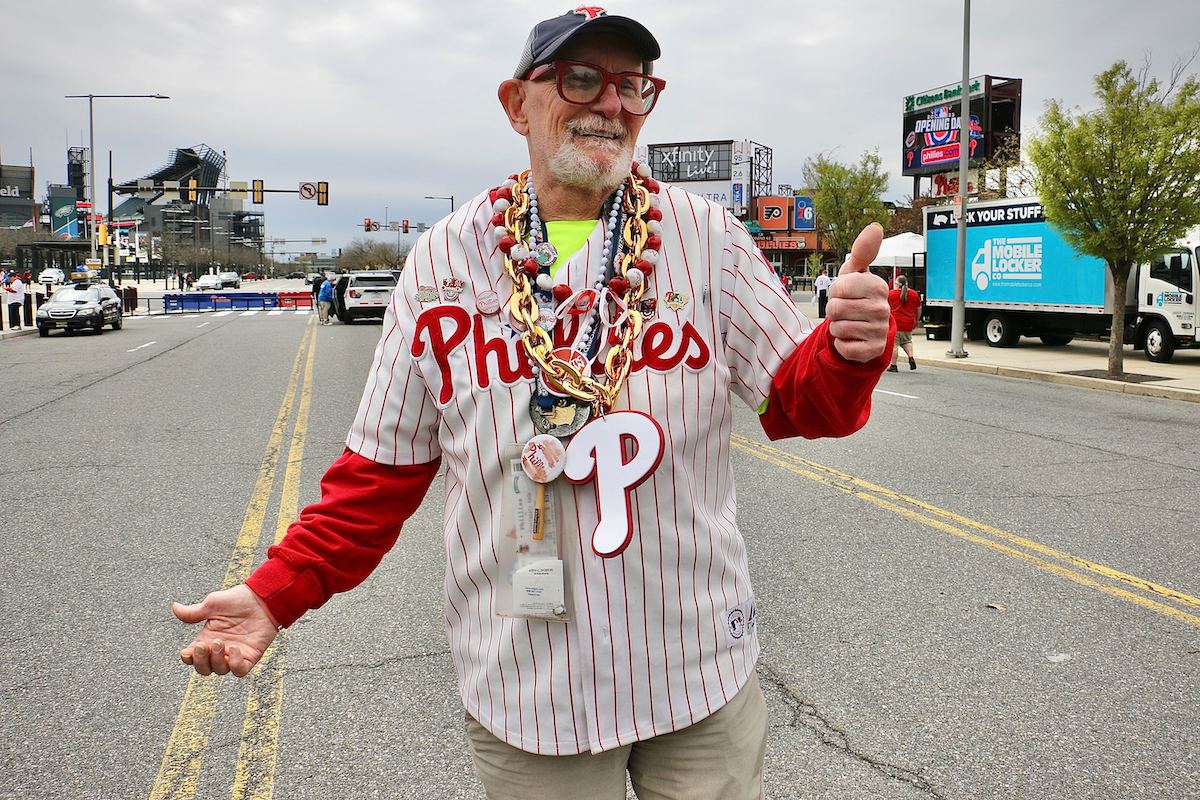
898, 250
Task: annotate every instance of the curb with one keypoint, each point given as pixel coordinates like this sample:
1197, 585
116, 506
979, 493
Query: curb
1103, 384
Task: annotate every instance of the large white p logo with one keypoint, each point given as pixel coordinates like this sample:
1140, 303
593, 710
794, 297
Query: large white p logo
598, 452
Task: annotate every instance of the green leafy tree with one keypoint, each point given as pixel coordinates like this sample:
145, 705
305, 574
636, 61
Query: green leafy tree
846, 197
1120, 182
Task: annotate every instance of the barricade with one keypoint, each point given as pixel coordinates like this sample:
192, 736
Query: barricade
191, 301
295, 299
249, 300
210, 301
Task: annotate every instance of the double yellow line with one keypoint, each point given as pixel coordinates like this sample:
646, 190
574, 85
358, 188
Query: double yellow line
1147, 594
254, 772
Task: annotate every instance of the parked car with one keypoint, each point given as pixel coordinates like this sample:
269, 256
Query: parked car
208, 283
293, 275
230, 280
362, 295
80, 306
52, 275
312, 276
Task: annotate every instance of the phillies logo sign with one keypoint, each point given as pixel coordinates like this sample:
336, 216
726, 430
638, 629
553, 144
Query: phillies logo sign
445, 329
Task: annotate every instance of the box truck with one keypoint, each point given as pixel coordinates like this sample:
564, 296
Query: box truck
1022, 278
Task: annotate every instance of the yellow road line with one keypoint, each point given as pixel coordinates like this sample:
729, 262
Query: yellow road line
180, 769
254, 772
862, 490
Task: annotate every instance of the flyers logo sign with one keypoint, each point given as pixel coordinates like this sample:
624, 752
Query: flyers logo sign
444, 330
591, 12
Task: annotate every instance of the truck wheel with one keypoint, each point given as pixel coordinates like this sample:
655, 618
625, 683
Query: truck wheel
999, 331
1055, 339
1158, 342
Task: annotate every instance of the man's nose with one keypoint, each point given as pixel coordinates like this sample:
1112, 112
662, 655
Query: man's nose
608, 103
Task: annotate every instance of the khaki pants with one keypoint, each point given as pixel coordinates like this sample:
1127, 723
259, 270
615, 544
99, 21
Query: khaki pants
718, 758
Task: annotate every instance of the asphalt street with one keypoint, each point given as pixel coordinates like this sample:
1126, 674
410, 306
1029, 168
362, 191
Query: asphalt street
990, 592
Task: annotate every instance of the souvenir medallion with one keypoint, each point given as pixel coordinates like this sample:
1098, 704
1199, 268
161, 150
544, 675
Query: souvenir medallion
676, 300
649, 307
545, 254
488, 302
543, 458
575, 359
562, 419
452, 288
426, 294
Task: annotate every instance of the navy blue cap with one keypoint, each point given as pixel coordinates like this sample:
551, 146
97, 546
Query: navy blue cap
550, 36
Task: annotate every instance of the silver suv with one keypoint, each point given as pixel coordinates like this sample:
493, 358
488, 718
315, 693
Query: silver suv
230, 280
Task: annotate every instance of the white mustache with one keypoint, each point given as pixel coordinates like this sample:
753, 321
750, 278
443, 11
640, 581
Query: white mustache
596, 127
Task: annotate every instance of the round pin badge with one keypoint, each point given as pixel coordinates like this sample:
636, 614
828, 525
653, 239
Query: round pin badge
546, 254
488, 302
543, 458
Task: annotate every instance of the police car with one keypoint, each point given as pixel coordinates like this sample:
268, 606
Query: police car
363, 295
82, 305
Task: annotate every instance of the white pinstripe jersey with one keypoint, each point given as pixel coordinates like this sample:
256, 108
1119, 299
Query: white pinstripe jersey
664, 634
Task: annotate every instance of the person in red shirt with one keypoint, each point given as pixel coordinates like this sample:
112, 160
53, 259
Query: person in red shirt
906, 310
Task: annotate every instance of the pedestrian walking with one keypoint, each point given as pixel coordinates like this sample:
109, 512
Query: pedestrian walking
586, 643
906, 310
15, 295
821, 287
325, 300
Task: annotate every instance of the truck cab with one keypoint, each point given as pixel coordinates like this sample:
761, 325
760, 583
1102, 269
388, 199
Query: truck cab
1167, 316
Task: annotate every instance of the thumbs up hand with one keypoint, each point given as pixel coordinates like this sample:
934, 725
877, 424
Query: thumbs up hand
858, 311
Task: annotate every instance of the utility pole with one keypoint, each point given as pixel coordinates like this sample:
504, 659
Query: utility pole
958, 313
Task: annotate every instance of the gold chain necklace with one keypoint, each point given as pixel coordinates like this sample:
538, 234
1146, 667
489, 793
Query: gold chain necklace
577, 382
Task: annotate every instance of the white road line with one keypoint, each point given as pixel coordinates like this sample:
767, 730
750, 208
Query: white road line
222, 313
193, 316
250, 312
202, 324
140, 346
303, 310
898, 394
274, 312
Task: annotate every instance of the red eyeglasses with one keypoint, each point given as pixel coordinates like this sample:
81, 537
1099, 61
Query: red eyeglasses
581, 83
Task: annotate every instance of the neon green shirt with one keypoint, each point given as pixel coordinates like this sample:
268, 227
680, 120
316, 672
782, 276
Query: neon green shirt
568, 237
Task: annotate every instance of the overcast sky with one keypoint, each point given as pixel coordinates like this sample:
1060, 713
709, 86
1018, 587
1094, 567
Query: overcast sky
389, 101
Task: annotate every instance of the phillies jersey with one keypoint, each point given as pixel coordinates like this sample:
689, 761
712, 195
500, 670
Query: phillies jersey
663, 634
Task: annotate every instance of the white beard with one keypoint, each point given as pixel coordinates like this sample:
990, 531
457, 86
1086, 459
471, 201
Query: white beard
571, 166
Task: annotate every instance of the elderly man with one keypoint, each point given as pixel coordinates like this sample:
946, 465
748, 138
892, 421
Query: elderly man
569, 341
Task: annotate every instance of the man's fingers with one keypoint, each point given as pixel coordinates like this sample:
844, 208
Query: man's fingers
864, 250
200, 659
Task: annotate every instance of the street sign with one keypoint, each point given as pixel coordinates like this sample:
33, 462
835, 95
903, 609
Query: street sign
238, 189
170, 190
393, 226
374, 227
308, 190
145, 188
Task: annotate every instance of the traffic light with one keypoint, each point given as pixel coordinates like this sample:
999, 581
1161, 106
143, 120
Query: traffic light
404, 226
256, 192
102, 234
192, 194
367, 224
322, 193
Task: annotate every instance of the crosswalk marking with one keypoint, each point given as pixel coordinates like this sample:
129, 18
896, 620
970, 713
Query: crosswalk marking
303, 310
222, 313
274, 312
250, 312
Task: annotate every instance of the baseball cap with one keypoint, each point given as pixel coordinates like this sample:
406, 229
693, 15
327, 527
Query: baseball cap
549, 36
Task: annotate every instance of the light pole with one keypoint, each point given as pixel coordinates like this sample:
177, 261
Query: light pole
92, 150
958, 312
449, 197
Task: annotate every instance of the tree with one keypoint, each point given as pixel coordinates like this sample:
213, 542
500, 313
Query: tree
365, 254
1120, 182
846, 197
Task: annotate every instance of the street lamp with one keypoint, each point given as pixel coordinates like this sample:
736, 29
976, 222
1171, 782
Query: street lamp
442, 197
92, 150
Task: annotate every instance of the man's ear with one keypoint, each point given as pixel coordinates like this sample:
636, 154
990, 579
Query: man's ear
512, 99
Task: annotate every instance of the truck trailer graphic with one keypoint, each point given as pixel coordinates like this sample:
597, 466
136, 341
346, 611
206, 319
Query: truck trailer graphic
1013, 259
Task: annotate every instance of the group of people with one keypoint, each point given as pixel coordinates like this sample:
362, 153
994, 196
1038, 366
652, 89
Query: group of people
185, 281
15, 286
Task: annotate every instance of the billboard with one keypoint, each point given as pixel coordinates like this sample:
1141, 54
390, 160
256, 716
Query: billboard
804, 213
16, 196
1014, 258
773, 213
720, 192
933, 132
692, 161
